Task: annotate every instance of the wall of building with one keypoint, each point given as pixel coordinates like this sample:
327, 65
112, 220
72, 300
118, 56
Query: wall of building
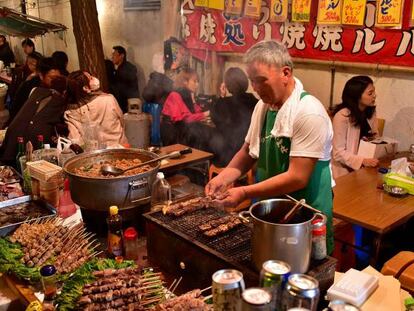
395, 103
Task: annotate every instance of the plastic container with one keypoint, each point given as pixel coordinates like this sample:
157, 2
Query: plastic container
319, 250
115, 237
380, 177
48, 274
66, 206
161, 193
131, 244
49, 191
65, 155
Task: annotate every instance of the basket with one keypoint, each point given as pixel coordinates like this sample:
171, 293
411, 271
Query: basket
45, 171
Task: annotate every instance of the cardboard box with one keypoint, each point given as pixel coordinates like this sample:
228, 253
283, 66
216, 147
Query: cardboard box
378, 148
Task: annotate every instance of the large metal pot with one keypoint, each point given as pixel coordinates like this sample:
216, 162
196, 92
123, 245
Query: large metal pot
99, 193
291, 243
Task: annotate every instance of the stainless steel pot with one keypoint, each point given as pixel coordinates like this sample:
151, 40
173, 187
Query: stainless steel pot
98, 193
291, 243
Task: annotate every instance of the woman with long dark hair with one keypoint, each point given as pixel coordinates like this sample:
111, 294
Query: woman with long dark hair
182, 119
88, 107
354, 119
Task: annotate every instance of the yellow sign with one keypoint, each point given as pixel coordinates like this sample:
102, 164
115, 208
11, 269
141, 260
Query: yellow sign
278, 10
252, 8
202, 3
233, 6
216, 4
353, 12
329, 12
301, 10
389, 13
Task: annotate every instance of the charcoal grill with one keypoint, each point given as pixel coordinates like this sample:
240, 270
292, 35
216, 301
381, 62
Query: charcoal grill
177, 246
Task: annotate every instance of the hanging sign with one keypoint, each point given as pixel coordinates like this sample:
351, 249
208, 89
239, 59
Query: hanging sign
389, 13
216, 4
252, 8
353, 12
233, 7
278, 10
201, 3
329, 12
301, 10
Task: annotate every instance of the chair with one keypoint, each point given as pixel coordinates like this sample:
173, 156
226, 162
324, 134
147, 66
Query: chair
381, 124
214, 170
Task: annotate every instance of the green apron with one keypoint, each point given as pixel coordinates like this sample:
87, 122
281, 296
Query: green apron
274, 160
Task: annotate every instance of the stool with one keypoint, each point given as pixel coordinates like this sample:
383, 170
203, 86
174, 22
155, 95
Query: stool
401, 266
214, 170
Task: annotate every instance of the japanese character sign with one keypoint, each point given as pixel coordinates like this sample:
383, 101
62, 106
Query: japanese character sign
353, 12
233, 7
207, 28
389, 13
293, 35
216, 4
329, 12
278, 10
328, 38
233, 31
201, 3
187, 7
252, 8
301, 10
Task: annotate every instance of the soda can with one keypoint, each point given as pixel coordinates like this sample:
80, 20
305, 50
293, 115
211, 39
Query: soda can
227, 288
256, 299
273, 276
339, 305
301, 291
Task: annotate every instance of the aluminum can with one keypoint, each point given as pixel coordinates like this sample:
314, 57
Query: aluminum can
301, 291
256, 299
227, 289
339, 305
273, 276
412, 148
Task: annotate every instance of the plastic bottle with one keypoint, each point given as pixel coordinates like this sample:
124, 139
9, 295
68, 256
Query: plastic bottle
319, 250
20, 151
131, 244
66, 206
161, 193
115, 237
40, 144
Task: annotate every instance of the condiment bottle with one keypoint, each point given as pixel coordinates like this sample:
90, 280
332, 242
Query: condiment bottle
319, 239
20, 151
380, 177
161, 193
66, 206
40, 142
131, 244
115, 243
48, 274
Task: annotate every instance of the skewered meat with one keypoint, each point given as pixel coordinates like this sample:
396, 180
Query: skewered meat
216, 222
223, 228
181, 208
191, 301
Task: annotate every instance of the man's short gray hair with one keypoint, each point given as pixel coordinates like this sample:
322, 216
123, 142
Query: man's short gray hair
270, 53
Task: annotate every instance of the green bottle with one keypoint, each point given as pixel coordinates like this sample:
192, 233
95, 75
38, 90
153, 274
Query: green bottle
20, 151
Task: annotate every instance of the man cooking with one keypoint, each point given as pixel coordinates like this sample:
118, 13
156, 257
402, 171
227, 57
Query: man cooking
290, 139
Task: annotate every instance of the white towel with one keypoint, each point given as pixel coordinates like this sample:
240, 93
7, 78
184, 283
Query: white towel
284, 120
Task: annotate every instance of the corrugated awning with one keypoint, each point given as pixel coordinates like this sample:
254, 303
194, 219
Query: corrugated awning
14, 23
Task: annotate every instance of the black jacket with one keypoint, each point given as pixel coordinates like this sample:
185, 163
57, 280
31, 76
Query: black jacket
21, 96
30, 122
158, 88
123, 82
6, 54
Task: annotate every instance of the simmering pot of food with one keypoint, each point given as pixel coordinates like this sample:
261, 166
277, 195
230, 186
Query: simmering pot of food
290, 242
90, 189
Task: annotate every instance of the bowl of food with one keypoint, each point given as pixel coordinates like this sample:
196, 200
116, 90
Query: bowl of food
395, 191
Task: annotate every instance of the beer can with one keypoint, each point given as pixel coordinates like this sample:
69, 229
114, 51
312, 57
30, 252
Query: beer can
301, 291
227, 288
256, 299
273, 276
339, 305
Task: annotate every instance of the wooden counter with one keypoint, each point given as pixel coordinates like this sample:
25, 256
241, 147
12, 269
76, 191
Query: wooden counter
194, 158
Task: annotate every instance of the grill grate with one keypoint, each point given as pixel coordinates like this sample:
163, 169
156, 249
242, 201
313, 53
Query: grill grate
234, 244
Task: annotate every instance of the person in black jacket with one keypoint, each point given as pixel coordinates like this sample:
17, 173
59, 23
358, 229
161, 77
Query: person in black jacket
6, 54
122, 77
231, 115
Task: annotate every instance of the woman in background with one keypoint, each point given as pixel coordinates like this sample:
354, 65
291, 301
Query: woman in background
354, 119
182, 119
89, 107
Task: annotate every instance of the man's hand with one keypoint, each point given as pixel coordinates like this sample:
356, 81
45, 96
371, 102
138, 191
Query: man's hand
368, 162
215, 186
234, 197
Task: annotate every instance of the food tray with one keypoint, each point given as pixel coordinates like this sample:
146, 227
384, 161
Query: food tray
16, 177
49, 211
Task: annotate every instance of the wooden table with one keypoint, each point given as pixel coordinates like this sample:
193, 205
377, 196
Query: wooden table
358, 201
197, 157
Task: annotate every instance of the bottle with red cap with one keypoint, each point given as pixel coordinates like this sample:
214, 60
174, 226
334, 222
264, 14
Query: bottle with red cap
319, 251
66, 206
131, 244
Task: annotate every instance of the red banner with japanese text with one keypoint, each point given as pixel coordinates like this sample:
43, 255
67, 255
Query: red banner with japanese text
214, 30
